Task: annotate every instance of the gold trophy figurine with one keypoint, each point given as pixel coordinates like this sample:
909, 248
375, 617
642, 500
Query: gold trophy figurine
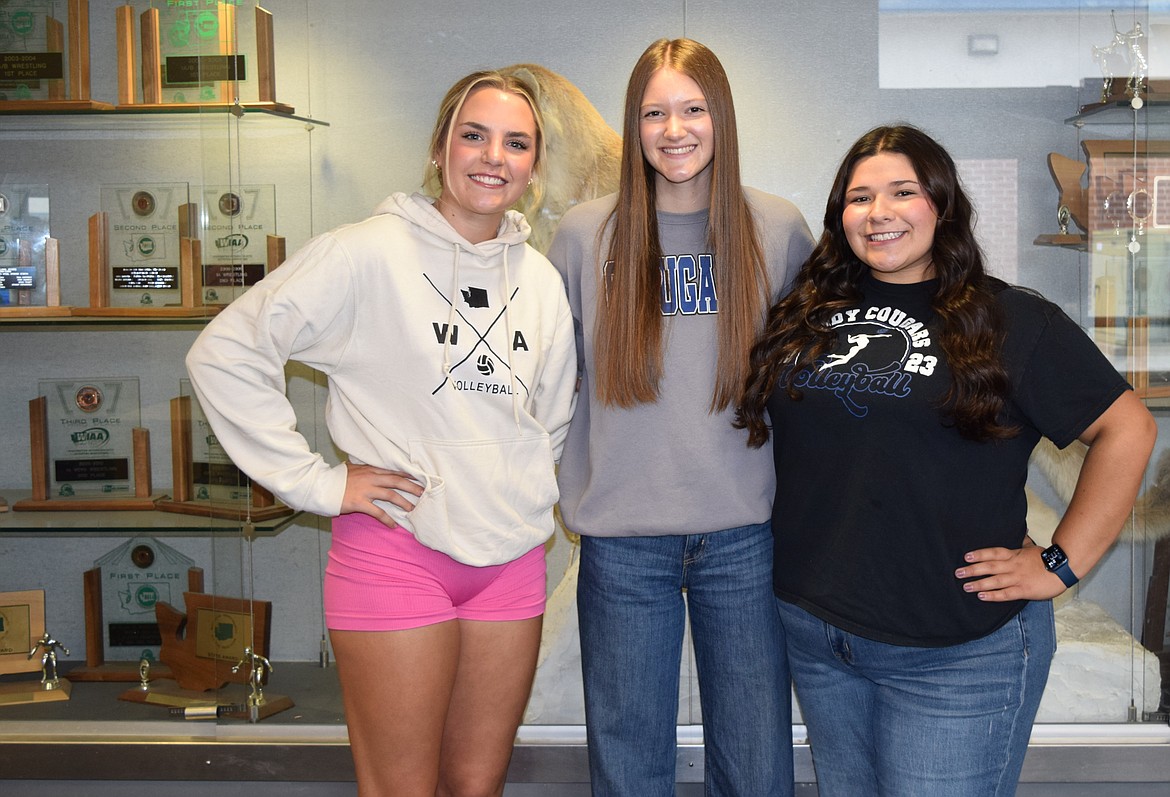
49, 647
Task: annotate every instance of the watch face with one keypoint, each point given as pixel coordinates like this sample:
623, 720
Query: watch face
1053, 557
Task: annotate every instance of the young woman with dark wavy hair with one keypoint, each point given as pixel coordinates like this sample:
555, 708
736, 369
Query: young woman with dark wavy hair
904, 390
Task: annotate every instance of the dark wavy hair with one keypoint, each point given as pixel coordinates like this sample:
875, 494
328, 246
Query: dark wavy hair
968, 320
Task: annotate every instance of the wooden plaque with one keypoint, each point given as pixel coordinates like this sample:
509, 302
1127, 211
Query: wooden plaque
203, 645
22, 622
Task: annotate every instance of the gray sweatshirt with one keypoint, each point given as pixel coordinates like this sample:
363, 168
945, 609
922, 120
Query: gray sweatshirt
669, 467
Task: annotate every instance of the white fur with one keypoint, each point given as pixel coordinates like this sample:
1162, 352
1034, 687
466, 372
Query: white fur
582, 152
1151, 513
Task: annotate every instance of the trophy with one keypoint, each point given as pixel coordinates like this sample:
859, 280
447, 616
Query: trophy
22, 638
144, 254
30, 270
88, 450
200, 53
1126, 55
206, 481
240, 244
1072, 203
44, 63
1161, 203
218, 641
121, 591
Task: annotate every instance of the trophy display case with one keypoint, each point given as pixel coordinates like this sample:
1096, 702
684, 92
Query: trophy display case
1118, 196
145, 244
130, 546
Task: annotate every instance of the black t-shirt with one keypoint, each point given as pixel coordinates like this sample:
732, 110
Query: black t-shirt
878, 497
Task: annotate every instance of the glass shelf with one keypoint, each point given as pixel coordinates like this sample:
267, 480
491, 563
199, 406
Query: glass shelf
1121, 112
81, 322
120, 523
239, 110
130, 122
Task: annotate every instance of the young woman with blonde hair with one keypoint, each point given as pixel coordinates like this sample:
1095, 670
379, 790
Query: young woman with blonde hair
448, 347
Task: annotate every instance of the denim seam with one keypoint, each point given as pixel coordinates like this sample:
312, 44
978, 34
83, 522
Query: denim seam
1026, 652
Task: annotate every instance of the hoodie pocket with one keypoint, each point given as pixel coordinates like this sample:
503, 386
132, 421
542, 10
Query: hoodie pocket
486, 501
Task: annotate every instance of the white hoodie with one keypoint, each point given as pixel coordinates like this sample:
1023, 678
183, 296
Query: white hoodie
431, 369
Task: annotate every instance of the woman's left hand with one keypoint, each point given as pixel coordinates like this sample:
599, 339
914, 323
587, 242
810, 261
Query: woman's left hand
1009, 574
1120, 442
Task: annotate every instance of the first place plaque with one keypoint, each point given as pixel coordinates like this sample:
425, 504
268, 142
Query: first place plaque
44, 61
88, 449
197, 53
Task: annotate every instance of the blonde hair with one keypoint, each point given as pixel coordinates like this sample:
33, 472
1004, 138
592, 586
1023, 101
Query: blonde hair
449, 110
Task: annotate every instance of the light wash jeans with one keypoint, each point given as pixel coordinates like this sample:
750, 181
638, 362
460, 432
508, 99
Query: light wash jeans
894, 721
632, 616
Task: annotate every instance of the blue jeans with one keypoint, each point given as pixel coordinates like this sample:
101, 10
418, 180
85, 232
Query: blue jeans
894, 721
632, 617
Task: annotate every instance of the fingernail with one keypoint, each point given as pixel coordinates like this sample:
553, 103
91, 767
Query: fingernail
960, 573
968, 557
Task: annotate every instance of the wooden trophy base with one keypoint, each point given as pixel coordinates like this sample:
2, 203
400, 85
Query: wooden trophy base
272, 704
221, 511
53, 106
228, 703
1066, 240
166, 692
35, 312
129, 504
202, 311
116, 672
32, 692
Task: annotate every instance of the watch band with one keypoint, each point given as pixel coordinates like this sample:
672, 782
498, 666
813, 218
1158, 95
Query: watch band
1056, 561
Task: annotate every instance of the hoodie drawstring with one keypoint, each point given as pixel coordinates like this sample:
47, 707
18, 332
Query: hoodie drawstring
454, 299
508, 331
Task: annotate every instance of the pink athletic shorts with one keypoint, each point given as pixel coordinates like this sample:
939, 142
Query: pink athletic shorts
383, 579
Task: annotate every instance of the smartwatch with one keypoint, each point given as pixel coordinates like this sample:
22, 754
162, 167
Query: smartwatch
1056, 561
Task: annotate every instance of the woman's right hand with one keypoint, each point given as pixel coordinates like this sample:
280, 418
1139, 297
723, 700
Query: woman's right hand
365, 484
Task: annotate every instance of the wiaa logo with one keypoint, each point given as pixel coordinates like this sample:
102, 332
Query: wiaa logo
234, 241
146, 596
485, 365
92, 437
